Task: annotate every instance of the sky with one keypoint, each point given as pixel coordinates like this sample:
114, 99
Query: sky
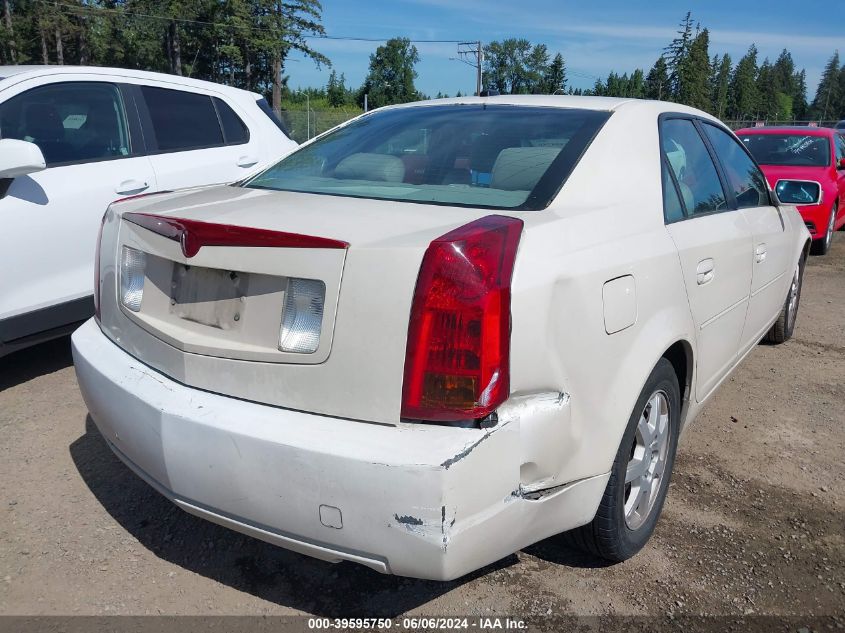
593, 37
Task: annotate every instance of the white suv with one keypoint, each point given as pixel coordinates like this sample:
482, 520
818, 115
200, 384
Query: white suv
73, 140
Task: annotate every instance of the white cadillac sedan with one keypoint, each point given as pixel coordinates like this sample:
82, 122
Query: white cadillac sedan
442, 331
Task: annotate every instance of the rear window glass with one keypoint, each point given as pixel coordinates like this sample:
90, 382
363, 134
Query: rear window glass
267, 110
182, 120
794, 150
489, 156
235, 130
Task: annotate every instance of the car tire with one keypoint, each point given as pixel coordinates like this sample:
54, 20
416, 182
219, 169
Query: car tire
619, 530
785, 325
822, 245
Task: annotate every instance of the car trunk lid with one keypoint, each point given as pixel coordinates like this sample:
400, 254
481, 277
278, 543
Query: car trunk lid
213, 308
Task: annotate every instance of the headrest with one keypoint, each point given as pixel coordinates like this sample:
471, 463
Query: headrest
364, 166
520, 168
677, 157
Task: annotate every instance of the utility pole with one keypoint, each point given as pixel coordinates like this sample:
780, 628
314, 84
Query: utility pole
474, 49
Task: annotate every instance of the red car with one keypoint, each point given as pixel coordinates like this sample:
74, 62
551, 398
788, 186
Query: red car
811, 154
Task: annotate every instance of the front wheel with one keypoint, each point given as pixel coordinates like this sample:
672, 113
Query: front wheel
785, 325
639, 478
822, 246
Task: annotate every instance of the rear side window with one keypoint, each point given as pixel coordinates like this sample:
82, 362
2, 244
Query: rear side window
745, 178
673, 210
698, 181
182, 120
235, 131
265, 108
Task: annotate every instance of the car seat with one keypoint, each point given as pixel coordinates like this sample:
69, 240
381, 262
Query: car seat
43, 126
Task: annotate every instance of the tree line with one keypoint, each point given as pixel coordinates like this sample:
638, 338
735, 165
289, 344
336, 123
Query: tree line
777, 90
238, 42
245, 43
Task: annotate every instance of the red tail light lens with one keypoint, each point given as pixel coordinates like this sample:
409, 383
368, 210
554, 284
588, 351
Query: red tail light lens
457, 361
97, 269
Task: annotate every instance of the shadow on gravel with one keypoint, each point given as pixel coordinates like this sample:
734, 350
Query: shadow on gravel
26, 364
241, 562
556, 551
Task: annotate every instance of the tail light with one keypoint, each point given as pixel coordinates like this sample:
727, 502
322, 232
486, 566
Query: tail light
457, 361
97, 269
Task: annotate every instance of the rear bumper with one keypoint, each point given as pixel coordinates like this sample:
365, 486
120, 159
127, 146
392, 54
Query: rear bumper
425, 501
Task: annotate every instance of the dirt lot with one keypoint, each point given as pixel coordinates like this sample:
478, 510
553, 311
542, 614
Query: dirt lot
754, 523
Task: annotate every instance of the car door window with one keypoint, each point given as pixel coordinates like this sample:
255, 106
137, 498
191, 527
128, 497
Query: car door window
673, 210
840, 148
746, 180
182, 120
235, 131
698, 181
71, 122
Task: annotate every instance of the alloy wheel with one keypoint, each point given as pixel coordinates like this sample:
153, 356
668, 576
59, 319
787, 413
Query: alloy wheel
829, 236
646, 466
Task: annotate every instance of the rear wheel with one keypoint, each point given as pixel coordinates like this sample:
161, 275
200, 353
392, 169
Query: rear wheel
822, 245
639, 478
782, 329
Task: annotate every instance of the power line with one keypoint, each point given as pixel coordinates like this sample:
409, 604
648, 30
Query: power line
152, 16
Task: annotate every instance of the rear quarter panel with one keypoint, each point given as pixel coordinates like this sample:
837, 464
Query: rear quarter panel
607, 222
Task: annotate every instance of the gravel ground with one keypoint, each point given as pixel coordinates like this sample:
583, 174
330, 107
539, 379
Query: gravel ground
754, 522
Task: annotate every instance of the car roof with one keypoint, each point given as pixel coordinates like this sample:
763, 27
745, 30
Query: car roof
606, 104
24, 71
804, 130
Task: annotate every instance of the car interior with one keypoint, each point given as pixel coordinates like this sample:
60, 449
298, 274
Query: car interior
68, 124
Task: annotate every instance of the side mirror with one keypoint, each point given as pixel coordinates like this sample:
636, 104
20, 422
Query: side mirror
840, 163
798, 192
18, 158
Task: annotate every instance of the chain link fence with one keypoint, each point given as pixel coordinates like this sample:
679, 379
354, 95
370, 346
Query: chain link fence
304, 125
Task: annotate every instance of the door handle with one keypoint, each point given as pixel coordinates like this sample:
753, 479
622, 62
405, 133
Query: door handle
705, 271
131, 186
247, 161
760, 253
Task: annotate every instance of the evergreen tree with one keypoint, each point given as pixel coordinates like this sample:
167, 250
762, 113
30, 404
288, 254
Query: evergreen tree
336, 92
555, 77
636, 84
800, 107
657, 81
829, 94
841, 109
744, 98
677, 54
693, 86
721, 87
767, 91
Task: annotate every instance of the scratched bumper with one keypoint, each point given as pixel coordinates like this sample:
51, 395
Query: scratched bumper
415, 500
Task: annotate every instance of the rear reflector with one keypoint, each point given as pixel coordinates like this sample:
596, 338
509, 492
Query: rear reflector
457, 360
133, 264
194, 234
303, 316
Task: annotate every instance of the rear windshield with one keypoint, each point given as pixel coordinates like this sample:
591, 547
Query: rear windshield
488, 156
794, 150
